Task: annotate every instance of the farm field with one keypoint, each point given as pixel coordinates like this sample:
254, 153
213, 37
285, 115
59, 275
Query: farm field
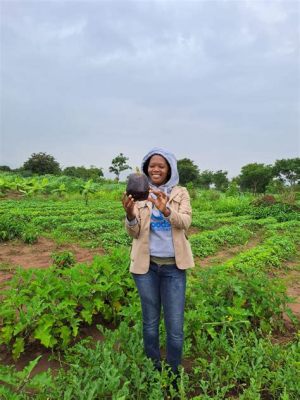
70, 318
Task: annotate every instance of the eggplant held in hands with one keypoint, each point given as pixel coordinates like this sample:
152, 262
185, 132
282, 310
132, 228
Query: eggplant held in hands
138, 186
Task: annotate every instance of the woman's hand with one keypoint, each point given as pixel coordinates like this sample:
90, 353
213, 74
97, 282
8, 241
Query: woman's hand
128, 204
160, 202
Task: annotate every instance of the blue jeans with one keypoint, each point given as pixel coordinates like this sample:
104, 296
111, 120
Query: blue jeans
162, 286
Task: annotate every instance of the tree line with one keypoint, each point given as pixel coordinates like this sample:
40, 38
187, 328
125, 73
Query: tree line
255, 177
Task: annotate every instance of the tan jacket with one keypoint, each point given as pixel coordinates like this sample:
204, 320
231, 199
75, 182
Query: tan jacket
180, 219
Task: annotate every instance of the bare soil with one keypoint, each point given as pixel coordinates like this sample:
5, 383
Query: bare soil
292, 280
37, 255
12, 195
293, 291
193, 230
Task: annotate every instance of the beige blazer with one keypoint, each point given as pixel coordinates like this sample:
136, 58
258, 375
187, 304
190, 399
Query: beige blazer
180, 219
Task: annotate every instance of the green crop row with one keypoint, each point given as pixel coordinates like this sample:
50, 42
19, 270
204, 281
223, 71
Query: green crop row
34, 207
237, 366
233, 299
243, 366
49, 185
207, 243
49, 305
242, 205
17, 229
32, 218
211, 220
271, 253
238, 205
282, 212
240, 294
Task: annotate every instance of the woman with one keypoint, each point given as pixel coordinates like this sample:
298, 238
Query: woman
160, 254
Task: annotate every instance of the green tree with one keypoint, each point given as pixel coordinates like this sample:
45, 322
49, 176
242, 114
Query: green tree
5, 168
84, 173
255, 177
275, 186
220, 180
188, 171
233, 188
206, 178
288, 170
119, 165
41, 164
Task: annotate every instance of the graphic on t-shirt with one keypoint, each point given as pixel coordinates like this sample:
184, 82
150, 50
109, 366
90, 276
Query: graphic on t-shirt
158, 222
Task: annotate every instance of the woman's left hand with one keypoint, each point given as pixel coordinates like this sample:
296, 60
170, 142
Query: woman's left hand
160, 202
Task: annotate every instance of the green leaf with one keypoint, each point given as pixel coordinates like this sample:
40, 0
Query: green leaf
6, 334
98, 304
41, 380
7, 394
65, 334
74, 326
18, 348
43, 331
211, 331
87, 315
25, 373
7, 376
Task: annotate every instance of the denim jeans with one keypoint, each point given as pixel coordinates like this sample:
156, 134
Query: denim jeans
162, 286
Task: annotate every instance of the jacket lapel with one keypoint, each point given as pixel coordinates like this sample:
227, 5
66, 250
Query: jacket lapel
174, 192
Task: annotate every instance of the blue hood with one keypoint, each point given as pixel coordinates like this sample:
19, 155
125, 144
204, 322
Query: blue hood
174, 179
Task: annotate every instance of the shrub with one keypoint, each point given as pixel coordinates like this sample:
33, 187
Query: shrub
265, 200
63, 259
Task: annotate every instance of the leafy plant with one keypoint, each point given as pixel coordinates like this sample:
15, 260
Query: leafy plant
63, 259
18, 385
51, 304
87, 189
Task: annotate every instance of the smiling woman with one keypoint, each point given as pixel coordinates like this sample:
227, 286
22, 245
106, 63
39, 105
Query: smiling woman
160, 254
158, 169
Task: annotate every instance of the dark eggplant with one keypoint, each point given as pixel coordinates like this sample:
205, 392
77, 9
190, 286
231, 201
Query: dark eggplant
138, 186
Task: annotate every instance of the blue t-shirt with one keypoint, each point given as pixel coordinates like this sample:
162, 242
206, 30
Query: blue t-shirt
161, 240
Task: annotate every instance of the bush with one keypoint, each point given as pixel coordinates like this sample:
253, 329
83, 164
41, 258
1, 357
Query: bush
266, 200
192, 191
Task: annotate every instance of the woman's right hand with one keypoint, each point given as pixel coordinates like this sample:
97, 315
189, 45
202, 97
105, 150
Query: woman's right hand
128, 204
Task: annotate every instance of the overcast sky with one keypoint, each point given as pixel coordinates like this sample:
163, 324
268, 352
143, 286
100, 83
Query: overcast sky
215, 81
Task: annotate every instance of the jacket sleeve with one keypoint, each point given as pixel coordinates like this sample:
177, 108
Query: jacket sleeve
182, 218
133, 230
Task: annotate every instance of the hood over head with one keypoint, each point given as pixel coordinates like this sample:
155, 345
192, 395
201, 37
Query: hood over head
171, 159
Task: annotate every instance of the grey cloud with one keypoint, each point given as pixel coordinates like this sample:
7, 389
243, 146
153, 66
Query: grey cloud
90, 79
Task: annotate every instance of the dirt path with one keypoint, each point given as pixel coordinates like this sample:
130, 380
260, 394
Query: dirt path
227, 253
291, 277
37, 255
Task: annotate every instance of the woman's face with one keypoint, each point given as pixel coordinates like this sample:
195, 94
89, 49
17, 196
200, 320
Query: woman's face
158, 170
